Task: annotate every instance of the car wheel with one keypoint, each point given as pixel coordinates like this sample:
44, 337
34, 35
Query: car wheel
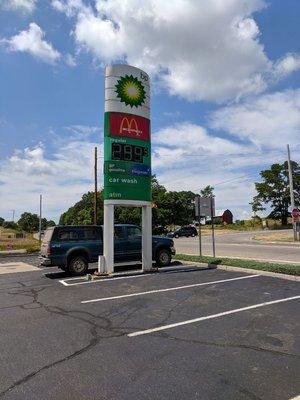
176, 236
163, 257
193, 235
78, 265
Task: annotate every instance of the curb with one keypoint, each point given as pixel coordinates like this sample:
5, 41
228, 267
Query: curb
247, 259
246, 270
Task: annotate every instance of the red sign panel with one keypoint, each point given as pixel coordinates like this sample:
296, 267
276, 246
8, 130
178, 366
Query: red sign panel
128, 125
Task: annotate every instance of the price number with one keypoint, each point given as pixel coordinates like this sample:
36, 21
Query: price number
128, 152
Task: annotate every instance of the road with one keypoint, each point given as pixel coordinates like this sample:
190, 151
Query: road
197, 334
240, 245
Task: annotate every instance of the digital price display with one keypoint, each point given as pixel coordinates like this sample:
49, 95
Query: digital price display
128, 152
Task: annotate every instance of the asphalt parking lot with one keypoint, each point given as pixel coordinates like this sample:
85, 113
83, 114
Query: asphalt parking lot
186, 333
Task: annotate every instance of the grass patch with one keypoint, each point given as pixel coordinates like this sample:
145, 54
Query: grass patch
28, 243
289, 269
276, 237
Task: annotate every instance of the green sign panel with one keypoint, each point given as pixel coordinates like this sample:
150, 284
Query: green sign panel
127, 146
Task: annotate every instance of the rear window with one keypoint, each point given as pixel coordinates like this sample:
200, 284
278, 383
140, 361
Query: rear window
47, 235
84, 233
89, 234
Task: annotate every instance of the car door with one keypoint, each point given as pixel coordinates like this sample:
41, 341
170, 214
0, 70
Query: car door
134, 238
120, 244
92, 239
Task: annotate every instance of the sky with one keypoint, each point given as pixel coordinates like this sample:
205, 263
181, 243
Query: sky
225, 97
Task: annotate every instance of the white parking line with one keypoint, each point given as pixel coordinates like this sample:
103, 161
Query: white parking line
192, 321
139, 274
104, 280
168, 289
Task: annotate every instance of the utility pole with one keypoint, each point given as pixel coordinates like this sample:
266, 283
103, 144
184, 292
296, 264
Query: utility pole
291, 188
212, 214
40, 219
96, 188
199, 227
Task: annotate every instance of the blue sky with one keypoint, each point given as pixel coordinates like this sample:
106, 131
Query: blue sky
225, 93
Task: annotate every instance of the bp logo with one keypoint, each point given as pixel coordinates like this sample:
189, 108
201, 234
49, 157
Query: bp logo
130, 91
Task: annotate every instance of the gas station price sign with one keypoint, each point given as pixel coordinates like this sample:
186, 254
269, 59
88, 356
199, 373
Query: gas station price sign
127, 139
128, 152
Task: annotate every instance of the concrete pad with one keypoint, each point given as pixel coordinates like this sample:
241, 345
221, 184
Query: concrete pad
10, 268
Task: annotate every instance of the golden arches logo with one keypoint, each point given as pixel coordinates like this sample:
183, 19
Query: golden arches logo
129, 126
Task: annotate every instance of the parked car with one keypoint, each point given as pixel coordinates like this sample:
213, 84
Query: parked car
71, 248
186, 231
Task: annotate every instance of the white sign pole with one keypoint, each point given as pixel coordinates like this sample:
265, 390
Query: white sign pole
108, 238
147, 238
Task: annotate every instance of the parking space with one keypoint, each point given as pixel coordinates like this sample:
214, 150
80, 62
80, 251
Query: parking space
185, 332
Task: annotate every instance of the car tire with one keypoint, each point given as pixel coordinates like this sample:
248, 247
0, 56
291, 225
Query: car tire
193, 235
176, 236
78, 265
163, 257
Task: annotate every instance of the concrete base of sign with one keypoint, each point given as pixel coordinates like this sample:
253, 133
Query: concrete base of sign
108, 233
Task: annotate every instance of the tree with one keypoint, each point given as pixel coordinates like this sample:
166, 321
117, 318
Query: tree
46, 224
29, 222
274, 190
256, 205
207, 191
82, 212
170, 208
10, 225
1, 221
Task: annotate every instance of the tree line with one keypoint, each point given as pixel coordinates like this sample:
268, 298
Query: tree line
177, 207
172, 208
169, 208
28, 222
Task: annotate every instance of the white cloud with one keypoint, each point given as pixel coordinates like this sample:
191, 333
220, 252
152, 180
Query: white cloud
69, 7
32, 42
70, 60
270, 120
26, 6
286, 66
185, 157
197, 49
61, 178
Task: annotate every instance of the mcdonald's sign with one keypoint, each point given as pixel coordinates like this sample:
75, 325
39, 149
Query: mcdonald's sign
127, 125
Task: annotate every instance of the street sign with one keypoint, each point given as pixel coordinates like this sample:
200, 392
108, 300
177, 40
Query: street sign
127, 141
203, 206
295, 215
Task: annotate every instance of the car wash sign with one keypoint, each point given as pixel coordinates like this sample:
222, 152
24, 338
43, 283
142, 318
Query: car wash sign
127, 140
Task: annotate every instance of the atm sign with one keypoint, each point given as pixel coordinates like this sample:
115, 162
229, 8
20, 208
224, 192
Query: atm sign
127, 125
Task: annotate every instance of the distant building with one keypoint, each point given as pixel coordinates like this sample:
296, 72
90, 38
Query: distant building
227, 217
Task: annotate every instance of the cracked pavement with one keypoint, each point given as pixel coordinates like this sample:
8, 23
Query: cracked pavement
54, 347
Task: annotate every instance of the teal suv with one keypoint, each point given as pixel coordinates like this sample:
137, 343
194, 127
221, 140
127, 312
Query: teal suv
72, 248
